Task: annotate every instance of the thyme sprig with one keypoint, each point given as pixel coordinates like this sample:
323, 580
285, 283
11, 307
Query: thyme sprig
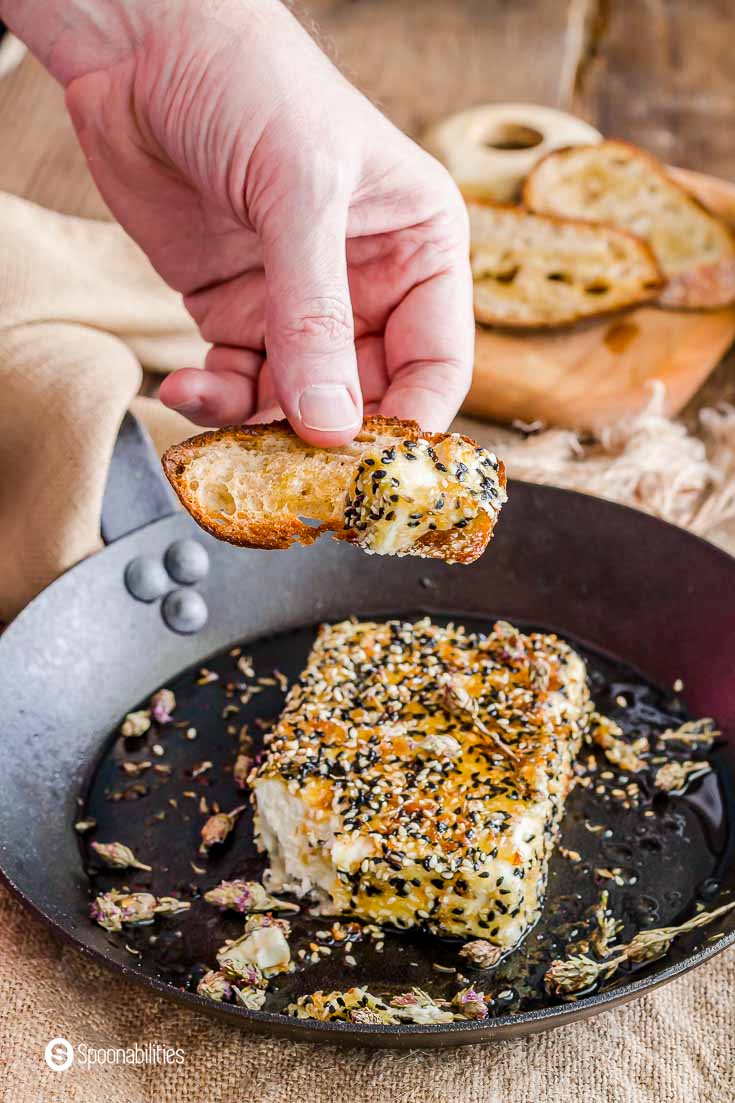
575, 974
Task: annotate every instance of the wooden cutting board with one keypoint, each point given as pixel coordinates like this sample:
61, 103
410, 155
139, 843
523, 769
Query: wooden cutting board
594, 374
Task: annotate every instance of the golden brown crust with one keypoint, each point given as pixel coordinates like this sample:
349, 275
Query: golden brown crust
278, 532
705, 287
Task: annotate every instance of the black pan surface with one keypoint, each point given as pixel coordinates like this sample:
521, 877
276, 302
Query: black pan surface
78, 658
656, 858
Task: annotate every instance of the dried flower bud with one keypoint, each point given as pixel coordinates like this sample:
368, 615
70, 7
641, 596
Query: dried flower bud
458, 702
136, 723
510, 638
217, 828
471, 1003
215, 986
647, 945
85, 825
117, 856
241, 770
540, 674
481, 953
417, 1006
443, 746
258, 922
252, 998
239, 896
265, 949
609, 736
170, 905
675, 776
237, 964
575, 974
137, 907
163, 704
106, 911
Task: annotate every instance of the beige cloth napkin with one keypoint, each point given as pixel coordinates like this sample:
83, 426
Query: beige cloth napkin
80, 311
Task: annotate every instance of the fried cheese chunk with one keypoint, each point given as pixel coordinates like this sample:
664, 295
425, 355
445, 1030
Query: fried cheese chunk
418, 774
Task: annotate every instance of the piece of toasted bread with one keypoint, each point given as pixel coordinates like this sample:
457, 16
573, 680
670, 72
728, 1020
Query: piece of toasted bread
260, 485
535, 271
617, 183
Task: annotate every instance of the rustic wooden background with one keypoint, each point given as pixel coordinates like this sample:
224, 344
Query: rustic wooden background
657, 72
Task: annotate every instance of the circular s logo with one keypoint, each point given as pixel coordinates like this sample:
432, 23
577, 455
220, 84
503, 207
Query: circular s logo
59, 1054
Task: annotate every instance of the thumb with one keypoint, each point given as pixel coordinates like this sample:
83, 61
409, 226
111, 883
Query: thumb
310, 339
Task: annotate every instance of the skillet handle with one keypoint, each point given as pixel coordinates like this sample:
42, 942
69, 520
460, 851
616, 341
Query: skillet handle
137, 492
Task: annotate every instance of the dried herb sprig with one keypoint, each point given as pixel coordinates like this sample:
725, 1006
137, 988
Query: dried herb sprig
458, 702
579, 972
675, 776
701, 733
607, 928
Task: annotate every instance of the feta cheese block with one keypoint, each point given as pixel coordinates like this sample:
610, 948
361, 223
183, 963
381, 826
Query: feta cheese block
418, 774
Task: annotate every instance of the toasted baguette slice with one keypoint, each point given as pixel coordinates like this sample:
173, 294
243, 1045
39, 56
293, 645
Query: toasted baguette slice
614, 182
533, 271
394, 490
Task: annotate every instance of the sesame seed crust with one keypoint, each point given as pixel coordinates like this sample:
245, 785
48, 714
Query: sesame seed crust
403, 813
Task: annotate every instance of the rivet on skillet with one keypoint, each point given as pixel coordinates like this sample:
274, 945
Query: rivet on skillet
187, 561
184, 611
145, 578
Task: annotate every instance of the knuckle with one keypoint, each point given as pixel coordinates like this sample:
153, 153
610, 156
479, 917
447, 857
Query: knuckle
324, 322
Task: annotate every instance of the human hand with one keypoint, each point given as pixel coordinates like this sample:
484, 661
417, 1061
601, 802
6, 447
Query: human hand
323, 254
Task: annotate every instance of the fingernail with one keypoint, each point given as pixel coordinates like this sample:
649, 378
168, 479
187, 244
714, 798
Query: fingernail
328, 407
189, 408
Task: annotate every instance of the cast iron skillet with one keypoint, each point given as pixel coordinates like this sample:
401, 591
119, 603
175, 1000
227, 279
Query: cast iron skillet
84, 651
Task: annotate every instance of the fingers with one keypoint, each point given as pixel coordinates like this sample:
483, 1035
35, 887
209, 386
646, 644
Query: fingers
232, 313
309, 324
225, 393
429, 344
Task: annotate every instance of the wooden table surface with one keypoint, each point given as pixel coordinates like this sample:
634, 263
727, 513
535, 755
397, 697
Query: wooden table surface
657, 72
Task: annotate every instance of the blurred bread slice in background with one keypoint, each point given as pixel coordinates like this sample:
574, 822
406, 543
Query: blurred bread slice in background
616, 183
534, 272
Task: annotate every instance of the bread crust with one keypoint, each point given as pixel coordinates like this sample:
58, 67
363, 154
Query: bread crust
703, 287
656, 282
278, 532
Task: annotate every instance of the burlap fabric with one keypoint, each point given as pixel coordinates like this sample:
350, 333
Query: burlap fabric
80, 311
